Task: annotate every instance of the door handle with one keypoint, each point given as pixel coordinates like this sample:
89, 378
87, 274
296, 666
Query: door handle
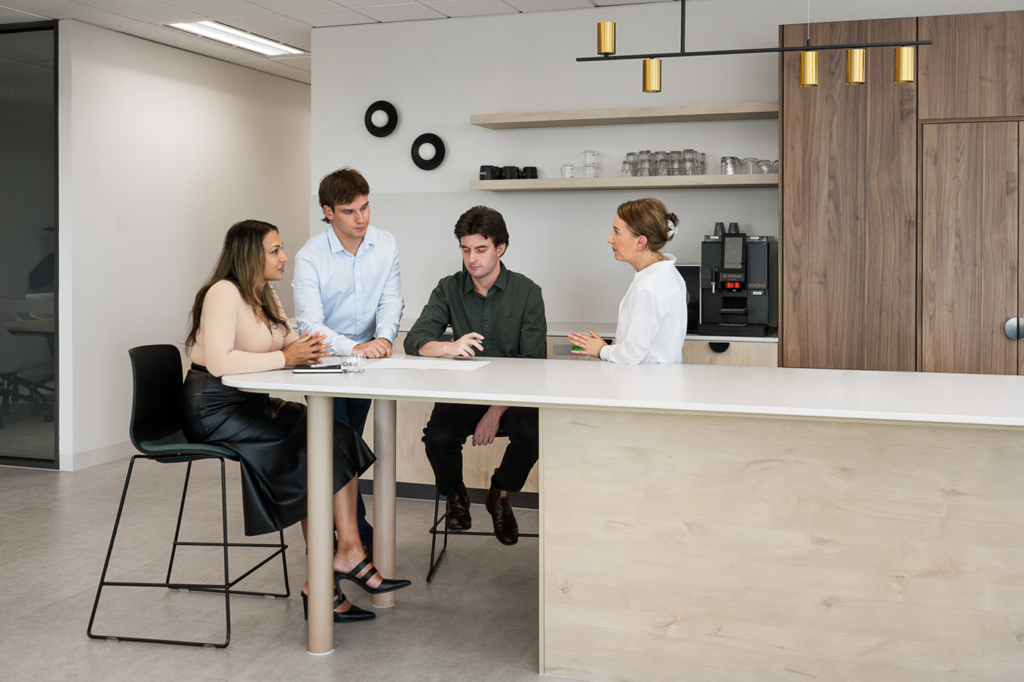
1012, 328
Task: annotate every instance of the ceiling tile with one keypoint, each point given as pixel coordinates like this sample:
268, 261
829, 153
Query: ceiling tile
282, 6
404, 12
13, 16
143, 11
549, 5
369, 3
273, 26
607, 3
65, 9
278, 69
470, 8
218, 8
330, 17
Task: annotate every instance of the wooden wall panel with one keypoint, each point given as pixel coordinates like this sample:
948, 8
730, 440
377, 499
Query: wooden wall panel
974, 68
969, 247
704, 547
849, 212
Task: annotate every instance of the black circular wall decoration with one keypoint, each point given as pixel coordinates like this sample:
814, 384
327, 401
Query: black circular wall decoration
389, 127
428, 164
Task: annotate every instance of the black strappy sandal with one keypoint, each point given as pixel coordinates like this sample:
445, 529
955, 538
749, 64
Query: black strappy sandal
385, 586
353, 614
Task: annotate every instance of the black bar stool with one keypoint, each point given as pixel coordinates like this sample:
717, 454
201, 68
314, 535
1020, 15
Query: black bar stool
156, 433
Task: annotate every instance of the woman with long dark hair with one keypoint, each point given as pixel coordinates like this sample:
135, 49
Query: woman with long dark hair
238, 325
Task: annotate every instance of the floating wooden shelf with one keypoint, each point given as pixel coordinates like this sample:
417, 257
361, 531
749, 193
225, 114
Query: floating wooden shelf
671, 182
739, 111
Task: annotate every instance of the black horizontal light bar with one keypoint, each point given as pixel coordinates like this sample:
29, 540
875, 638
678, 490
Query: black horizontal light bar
755, 50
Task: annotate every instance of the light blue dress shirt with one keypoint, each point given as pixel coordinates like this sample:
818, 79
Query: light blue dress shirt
350, 299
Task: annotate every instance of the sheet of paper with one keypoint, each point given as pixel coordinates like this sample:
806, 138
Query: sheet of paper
426, 363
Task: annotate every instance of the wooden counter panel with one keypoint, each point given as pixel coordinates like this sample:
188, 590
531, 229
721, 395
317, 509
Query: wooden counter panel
723, 548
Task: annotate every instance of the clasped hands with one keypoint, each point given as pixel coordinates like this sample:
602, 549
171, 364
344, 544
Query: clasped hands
306, 350
591, 345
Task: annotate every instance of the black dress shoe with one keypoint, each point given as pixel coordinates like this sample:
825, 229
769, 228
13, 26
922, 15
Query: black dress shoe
458, 510
353, 614
505, 527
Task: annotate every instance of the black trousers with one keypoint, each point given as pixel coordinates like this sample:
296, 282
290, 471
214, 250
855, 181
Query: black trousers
449, 427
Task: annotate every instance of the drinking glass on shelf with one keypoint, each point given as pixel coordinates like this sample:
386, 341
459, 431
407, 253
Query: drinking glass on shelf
568, 171
627, 169
749, 165
764, 166
633, 158
645, 155
689, 167
590, 171
702, 165
663, 167
775, 166
731, 165
590, 157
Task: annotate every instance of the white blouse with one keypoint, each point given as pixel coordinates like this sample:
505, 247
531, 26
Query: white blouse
652, 318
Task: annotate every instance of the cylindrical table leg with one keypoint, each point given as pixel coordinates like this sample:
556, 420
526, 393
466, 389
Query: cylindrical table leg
320, 526
384, 420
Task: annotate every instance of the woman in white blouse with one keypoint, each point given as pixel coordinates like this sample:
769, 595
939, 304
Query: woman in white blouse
652, 316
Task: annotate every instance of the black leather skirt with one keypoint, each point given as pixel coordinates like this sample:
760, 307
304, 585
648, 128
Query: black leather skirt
269, 436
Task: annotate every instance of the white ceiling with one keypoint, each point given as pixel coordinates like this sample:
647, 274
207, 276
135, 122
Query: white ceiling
287, 21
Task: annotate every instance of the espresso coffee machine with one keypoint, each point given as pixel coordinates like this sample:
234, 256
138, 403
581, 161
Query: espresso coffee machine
739, 279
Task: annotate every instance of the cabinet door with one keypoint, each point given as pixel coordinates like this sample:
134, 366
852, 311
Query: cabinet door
970, 245
974, 67
848, 203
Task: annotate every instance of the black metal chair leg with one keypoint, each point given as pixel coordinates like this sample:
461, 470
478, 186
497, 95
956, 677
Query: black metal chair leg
435, 564
227, 574
177, 526
110, 549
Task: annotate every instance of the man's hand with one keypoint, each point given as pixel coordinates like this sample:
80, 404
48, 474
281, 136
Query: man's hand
378, 348
488, 425
464, 346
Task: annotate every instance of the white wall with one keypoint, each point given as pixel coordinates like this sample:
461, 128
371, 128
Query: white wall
161, 151
438, 73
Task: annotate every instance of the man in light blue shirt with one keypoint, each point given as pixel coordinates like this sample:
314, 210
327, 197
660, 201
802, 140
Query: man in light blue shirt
347, 286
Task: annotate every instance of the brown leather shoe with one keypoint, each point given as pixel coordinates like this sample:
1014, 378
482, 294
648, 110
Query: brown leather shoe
458, 510
506, 529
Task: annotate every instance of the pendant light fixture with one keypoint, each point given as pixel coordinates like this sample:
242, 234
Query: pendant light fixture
652, 75
904, 60
808, 69
855, 58
808, 59
606, 37
856, 66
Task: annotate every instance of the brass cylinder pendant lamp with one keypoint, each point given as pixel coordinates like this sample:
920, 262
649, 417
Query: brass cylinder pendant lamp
652, 75
856, 66
606, 37
904, 71
808, 69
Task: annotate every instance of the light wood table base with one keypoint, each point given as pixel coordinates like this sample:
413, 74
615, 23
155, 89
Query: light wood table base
320, 524
740, 547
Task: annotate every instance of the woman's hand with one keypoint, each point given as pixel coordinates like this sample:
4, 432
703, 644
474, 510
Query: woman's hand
306, 350
591, 345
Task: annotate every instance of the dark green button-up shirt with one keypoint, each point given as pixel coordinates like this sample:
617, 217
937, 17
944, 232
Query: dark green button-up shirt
511, 317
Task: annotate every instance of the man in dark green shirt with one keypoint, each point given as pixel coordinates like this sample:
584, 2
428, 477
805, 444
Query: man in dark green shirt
493, 312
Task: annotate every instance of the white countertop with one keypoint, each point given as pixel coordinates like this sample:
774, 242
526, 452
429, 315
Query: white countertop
890, 396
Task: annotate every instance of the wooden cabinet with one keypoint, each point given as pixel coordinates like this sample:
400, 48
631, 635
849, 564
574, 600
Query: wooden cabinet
848, 224
971, 246
974, 67
739, 352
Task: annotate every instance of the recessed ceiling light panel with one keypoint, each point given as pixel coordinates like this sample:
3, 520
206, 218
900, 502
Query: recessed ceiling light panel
232, 36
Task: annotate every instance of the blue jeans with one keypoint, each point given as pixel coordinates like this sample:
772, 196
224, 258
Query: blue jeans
353, 412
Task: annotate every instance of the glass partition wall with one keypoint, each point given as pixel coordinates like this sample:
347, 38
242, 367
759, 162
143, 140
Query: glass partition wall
28, 243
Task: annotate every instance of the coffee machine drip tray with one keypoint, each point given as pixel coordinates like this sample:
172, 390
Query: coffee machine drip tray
734, 329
